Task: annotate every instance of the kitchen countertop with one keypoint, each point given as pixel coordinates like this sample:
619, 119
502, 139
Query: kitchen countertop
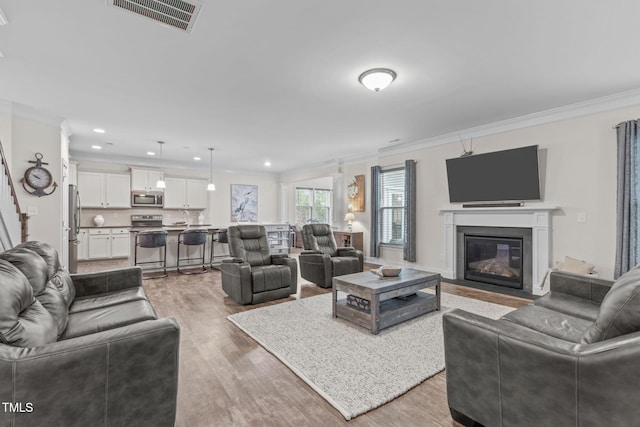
177, 228
106, 226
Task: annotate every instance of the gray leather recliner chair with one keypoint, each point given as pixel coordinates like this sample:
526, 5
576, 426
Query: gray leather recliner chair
322, 259
571, 358
253, 275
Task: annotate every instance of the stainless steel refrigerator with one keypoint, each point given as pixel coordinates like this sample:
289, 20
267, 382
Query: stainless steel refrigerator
74, 227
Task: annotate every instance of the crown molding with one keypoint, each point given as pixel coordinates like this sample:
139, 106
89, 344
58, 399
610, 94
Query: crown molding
584, 108
30, 113
593, 106
79, 156
6, 107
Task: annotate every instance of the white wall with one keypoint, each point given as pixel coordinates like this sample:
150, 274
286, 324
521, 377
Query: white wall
578, 175
29, 137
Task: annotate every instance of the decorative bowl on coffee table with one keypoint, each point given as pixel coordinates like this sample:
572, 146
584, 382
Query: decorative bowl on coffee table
388, 271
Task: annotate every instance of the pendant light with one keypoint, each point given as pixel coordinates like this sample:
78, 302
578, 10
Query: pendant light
160, 183
211, 186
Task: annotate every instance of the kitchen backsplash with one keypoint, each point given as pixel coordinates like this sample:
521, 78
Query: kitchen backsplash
122, 217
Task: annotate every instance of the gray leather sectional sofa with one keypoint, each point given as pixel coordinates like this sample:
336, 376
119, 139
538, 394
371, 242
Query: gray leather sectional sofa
81, 350
571, 358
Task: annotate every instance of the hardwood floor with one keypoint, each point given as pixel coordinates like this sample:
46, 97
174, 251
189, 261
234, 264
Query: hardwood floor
227, 379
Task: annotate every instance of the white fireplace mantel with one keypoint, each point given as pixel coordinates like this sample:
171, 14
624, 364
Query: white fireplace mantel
536, 217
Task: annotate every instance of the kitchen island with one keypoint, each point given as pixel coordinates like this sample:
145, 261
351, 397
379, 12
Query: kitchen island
154, 254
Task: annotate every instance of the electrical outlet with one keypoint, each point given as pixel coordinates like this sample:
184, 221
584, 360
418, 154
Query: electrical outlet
582, 217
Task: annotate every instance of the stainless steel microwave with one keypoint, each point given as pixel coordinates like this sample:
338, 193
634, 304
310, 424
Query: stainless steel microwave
147, 199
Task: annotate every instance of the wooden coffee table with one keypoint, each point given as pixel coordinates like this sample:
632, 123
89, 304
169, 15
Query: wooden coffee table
387, 296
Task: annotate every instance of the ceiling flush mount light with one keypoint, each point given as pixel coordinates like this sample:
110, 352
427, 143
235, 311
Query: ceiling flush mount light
98, 130
211, 186
160, 183
377, 78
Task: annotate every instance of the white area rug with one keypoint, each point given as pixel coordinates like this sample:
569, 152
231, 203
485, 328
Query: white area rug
354, 370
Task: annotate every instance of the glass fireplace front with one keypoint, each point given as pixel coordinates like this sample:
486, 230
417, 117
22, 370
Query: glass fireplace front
494, 260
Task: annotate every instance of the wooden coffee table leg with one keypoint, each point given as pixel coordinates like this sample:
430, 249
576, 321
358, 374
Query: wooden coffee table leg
335, 300
375, 312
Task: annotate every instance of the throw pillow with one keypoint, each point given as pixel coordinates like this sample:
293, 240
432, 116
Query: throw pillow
573, 265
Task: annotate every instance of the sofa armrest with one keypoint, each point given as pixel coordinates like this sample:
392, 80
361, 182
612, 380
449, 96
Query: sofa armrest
107, 281
578, 285
347, 251
523, 377
498, 371
124, 376
315, 266
279, 259
351, 251
312, 252
236, 280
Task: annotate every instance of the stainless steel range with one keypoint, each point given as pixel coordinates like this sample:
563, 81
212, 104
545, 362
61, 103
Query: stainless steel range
146, 221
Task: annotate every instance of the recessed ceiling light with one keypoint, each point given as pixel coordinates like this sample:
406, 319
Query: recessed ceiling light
196, 158
150, 153
96, 147
98, 130
267, 163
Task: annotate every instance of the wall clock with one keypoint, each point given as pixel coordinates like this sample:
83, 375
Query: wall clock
38, 178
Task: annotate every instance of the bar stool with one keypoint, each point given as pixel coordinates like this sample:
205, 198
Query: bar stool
152, 239
218, 236
192, 238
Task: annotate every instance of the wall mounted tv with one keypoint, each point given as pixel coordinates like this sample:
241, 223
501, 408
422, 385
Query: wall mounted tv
507, 175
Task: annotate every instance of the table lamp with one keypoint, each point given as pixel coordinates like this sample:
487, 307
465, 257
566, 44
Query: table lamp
349, 217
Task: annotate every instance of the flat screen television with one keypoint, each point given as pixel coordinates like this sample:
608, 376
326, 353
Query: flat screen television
509, 175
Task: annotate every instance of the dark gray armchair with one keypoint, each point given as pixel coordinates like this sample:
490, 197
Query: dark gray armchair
571, 358
253, 275
322, 259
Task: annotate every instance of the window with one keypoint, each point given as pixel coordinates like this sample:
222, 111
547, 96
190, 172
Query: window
392, 206
313, 205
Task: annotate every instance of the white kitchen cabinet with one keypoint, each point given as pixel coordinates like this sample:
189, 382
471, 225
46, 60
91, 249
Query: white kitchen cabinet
104, 190
91, 188
185, 193
120, 242
99, 243
83, 244
108, 243
145, 179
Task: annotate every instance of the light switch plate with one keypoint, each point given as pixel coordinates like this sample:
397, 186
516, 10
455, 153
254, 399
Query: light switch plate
582, 217
32, 210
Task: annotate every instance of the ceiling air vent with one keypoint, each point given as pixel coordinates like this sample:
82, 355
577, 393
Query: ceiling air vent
175, 13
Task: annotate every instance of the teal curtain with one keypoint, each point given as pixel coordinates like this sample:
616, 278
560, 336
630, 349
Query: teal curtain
374, 241
628, 218
410, 211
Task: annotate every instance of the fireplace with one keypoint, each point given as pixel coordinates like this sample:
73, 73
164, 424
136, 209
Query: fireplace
532, 223
493, 260
499, 256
